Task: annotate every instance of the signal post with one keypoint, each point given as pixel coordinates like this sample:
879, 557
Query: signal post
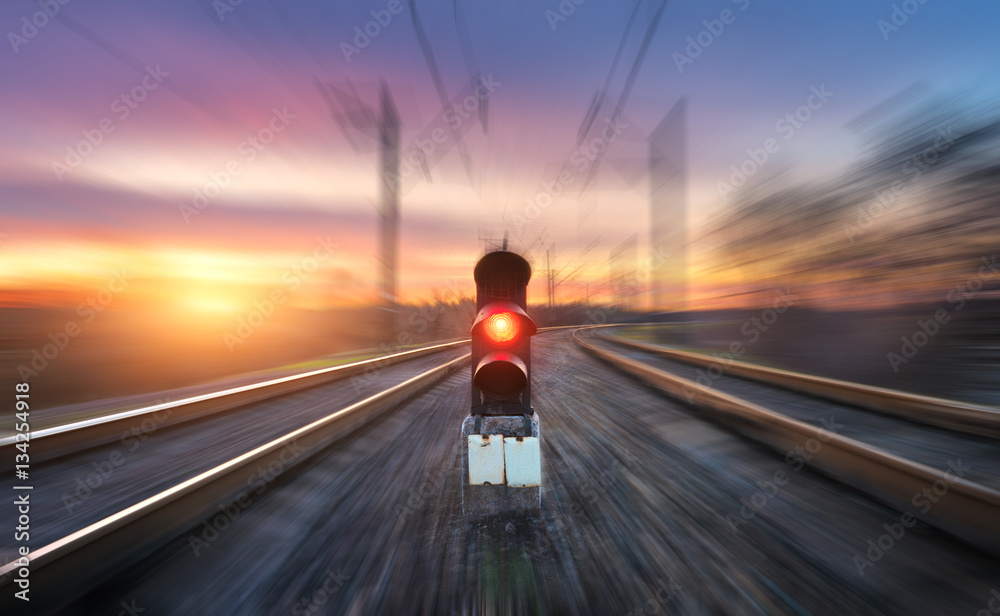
501, 454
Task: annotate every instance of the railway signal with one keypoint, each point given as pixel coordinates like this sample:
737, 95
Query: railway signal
500, 438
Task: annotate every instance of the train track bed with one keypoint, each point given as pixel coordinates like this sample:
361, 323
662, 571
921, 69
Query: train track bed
638, 493
929, 445
51, 417
80, 488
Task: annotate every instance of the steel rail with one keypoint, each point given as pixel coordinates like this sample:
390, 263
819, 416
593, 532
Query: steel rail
54, 442
72, 565
50, 443
951, 414
969, 510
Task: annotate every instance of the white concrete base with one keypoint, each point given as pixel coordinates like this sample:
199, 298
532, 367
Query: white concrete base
501, 466
522, 461
486, 460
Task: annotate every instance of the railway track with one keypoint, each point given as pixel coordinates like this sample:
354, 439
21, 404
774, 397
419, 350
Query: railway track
130, 475
93, 531
637, 492
953, 415
72, 437
933, 459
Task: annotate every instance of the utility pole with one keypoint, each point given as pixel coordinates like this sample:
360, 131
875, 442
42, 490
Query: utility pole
550, 290
389, 153
668, 210
384, 126
621, 267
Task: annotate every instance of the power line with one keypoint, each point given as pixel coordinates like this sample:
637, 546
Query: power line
425, 48
627, 88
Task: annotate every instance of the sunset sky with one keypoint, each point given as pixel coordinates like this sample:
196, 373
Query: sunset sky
212, 75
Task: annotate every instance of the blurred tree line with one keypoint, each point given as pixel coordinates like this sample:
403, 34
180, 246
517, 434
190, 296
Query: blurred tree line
913, 217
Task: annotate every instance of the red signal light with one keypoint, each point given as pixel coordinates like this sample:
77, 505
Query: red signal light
502, 327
